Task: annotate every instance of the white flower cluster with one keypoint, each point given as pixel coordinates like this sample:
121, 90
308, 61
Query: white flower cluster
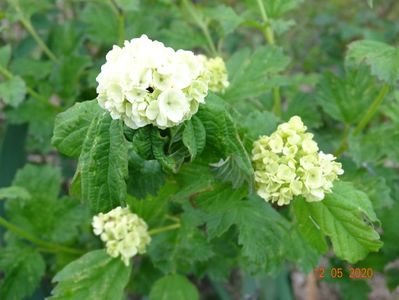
123, 232
145, 82
218, 78
288, 163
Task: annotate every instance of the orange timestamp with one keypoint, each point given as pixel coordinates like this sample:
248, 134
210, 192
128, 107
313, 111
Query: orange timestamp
338, 273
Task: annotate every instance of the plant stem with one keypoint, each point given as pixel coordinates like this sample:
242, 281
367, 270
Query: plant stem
344, 142
121, 21
202, 25
29, 27
372, 110
50, 247
267, 29
163, 229
269, 36
367, 117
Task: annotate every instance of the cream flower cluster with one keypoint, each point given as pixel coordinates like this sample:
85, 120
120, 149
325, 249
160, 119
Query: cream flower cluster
218, 78
123, 232
145, 82
288, 163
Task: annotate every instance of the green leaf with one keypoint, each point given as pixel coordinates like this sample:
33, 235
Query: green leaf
12, 91
225, 16
183, 249
23, 269
101, 22
339, 97
308, 227
29, 67
93, 276
14, 192
146, 176
194, 136
364, 148
71, 127
223, 139
171, 162
370, 3
103, 164
67, 74
5, 55
263, 234
249, 72
380, 57
174, 287
276, 8
128, 5
39, 181
43, 214
344, 216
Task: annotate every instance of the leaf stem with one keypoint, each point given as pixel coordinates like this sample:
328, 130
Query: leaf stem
163, 229
121, 21
50, 247
267, 29
367, 117
372, 110
268, 33
202, 25
29, 27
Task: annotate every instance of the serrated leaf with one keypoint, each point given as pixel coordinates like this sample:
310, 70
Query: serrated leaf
194, 136
5, 55
174, 287
39, 181
380, 57
180, 250
344, 216
263, 234
146, 176
225, 16
249, 71
14, 192
96, 275
12, 91
43, 214
339, 96
101, 22
23, 269
128, 5
71, 127
223, 137
276, 8
364, 148
103, 164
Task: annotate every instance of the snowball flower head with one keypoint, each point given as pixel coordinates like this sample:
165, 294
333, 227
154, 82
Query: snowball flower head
145, 82
218, 78
123, 232
288, 163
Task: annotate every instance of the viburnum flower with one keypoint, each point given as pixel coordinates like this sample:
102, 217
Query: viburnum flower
145, 82
218, 77
288, 163
124, 233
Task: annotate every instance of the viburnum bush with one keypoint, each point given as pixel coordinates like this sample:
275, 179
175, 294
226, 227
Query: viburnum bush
222, 145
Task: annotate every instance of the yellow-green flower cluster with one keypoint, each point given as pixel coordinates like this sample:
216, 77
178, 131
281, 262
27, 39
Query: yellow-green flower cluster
217, 72
288, 163
124, 233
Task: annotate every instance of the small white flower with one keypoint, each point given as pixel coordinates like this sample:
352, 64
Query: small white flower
173, 104
124, 233
288, 164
